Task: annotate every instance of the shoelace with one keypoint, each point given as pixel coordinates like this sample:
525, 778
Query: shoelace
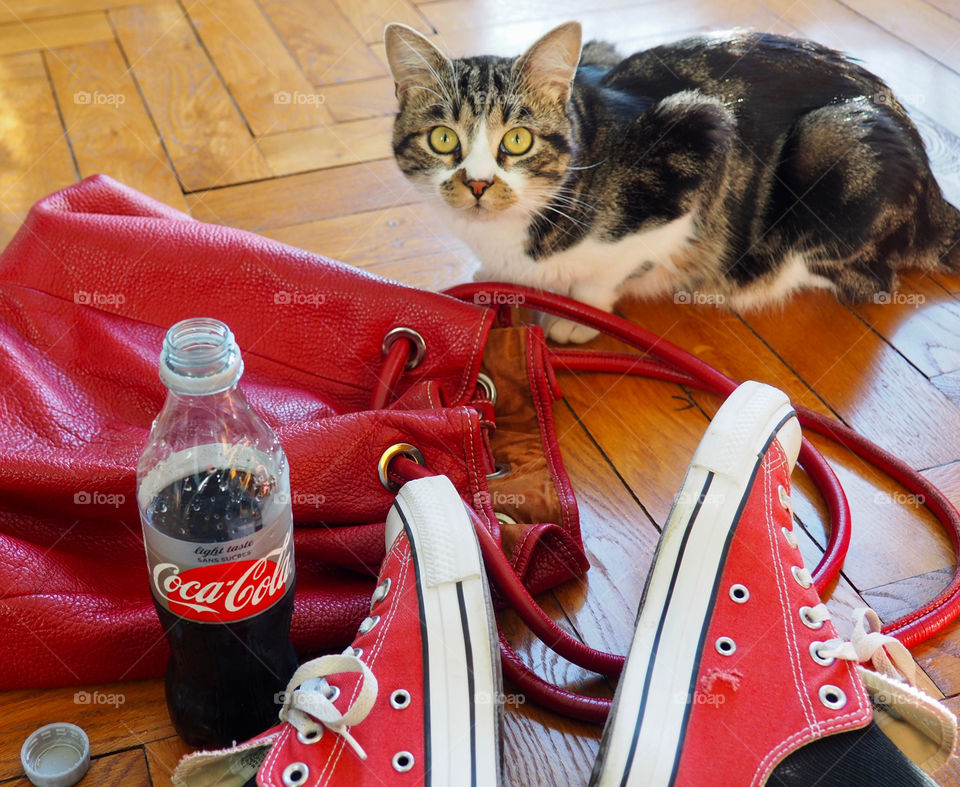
308, 699
867, 643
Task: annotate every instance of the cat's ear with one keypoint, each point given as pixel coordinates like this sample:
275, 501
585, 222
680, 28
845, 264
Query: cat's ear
549, 66
414, 61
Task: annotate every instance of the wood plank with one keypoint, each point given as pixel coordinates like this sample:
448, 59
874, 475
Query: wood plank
449, 15
369, 17
328, 146
28, 10
378, 236
162, 758
328, 48
109, 128
947, 6
297, 199
51, 33
927, 28
432, 272
894, 404
205, 136
35, 158
125, 767
114, 716
921, 320
357, 100
261, 74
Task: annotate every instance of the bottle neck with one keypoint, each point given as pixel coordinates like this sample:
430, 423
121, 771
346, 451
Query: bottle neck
200, 357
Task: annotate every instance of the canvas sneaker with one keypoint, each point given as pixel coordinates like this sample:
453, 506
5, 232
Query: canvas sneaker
736, 675
415, 699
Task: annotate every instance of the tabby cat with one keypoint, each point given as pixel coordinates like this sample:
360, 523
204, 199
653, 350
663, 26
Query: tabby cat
743, 165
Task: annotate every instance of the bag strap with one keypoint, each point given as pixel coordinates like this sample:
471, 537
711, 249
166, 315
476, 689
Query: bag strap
664, 360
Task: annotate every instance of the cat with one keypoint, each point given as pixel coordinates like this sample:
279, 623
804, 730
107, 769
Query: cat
744, 165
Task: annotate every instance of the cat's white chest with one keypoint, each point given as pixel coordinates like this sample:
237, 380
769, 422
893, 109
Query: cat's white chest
593, 270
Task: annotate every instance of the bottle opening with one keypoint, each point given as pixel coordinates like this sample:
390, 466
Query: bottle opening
200, 356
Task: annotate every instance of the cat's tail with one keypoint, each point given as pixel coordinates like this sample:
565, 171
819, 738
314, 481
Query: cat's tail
950, 249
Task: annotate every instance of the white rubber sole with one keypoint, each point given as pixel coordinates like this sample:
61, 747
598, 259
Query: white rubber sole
643, 738
462, 680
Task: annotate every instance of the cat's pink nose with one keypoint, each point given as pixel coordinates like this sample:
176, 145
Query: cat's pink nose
479, 186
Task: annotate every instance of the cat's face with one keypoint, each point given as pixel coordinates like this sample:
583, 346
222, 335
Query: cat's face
488, 135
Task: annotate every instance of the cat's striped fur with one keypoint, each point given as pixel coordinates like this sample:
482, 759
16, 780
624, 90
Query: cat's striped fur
743, 165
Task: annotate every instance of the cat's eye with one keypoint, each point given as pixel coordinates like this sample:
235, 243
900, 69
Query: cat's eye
443, 140
516, 141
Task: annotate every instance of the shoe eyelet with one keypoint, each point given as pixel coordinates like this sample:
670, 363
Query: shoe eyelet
330, 691
823, 661
740, 593
415, 339
309, 737
402, 761
368, 624
725, 646
357, 652
802, 576
832, 697
808, 620
380, 592
790, 536
784, 496
295, 774
400, 699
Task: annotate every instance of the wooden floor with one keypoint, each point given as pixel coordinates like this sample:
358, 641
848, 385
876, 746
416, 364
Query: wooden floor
275, 115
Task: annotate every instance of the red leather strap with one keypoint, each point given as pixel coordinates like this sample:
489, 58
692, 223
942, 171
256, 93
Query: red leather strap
669, 362
393, 365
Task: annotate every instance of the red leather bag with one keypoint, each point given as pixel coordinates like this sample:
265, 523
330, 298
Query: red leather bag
345, 367
88, 287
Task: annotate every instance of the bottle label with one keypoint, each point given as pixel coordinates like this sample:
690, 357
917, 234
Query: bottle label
221, 581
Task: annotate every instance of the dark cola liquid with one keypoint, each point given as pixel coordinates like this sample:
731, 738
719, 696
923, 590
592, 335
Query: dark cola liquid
223, 679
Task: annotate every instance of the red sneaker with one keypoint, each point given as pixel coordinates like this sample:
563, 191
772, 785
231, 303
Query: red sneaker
415, 699
735, 675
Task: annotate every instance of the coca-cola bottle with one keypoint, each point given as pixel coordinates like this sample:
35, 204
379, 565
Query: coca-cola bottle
213, 489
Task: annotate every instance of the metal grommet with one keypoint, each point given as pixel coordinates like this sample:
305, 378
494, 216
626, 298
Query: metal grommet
402, 761
309, 737
295, 774
725, 646
419, 345
489, 389
368, 623
380, 592
784, 496
400, 699
504, 519
357, 652
808, 620
395, 450
832, 696
739, 593
790, 536
823, 661
500, 469
802, 576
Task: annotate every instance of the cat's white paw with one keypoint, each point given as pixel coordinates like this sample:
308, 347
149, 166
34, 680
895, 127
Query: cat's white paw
568, 332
